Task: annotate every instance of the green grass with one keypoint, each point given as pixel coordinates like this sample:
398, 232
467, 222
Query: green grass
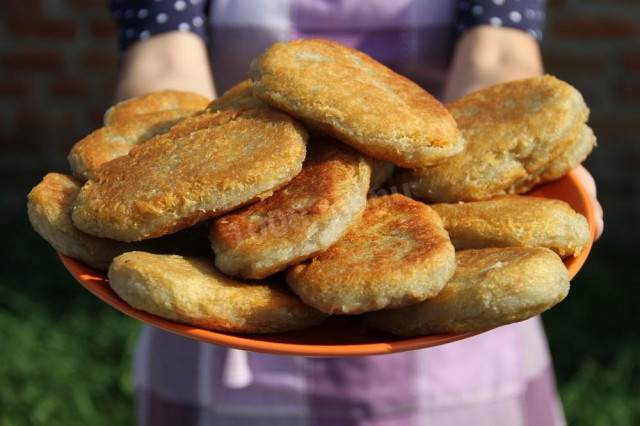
595, 341
65, 356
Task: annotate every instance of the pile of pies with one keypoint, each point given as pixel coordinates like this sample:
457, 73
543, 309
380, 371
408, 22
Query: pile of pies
277, 204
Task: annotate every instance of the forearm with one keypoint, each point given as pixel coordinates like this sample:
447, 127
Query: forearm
488, 55
173, 60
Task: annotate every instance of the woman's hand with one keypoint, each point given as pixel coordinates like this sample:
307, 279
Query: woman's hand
590, 186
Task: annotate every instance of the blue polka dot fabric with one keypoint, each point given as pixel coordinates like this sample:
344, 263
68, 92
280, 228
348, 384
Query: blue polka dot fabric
140, 19
526, 15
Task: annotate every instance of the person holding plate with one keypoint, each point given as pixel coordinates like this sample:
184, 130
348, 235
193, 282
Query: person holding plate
450, 48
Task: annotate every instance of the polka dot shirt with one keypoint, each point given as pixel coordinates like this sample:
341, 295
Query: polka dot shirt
526, 15
141, 19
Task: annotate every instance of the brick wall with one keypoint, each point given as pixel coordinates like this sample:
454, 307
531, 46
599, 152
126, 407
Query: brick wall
58, 61
595, 45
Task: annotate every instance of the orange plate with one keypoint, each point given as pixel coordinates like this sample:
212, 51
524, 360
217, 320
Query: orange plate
339, 335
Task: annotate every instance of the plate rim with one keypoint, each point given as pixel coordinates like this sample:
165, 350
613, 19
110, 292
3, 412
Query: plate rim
97, 283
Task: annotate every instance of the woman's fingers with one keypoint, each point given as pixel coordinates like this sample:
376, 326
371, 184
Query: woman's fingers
590, 186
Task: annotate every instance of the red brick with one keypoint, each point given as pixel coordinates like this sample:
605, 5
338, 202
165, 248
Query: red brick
109, 84
614, 129
20, 8
102, 4
630, 158
42, 127
610, 2
18, 143
42, 28
68, 88
630, 91
33, 60
105, 89
96, 117
12, 88
103, 29
631, 61
574, 64
595, 27
32, 118
99, 60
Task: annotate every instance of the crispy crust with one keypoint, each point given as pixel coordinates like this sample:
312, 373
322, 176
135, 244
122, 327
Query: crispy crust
192, 291
113, 141
130, 123
397, 254
203, 167
570, 158
49, 206
304, 217
162, 100
516, 221
491, 287
512, 130
239, 96
357, 100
